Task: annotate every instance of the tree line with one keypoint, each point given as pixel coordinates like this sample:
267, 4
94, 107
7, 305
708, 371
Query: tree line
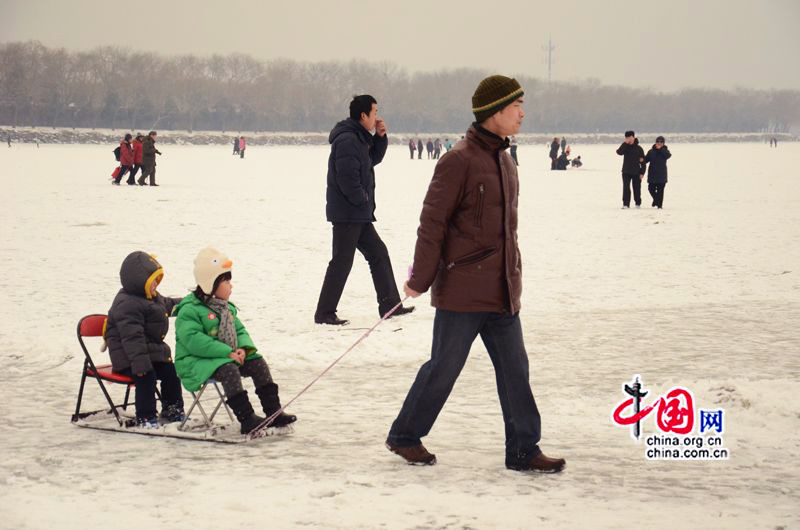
109, 87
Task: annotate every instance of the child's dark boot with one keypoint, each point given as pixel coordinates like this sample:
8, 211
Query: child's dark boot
244, 412
271, 403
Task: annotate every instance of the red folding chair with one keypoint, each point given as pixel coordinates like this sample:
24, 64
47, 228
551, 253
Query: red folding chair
93, 326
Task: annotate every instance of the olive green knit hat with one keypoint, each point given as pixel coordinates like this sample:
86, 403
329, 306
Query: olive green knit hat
494, 94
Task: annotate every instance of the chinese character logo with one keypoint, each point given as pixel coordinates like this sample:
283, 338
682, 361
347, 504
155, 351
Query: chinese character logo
711, 420
675, 410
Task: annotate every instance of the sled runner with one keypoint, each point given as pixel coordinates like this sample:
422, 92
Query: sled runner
197, 430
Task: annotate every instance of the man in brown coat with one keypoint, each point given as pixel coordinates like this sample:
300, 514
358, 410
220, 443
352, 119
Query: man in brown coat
467, 254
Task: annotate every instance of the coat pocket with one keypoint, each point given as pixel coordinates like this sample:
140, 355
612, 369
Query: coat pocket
472, 258
479, 209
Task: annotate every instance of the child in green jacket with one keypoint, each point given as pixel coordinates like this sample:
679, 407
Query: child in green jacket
211, 342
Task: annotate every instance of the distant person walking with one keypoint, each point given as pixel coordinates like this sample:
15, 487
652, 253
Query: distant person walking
563, 143
657, 158
553, 152
137, 158
775, 141
419, 149
242, 146
235, 145
149, 153
412, 147
513, 150
125, 159
8, 139
437, 149
429, 148
448, 144
632, 169
350, 207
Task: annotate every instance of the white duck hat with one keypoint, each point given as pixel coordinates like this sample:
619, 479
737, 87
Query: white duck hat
209, 264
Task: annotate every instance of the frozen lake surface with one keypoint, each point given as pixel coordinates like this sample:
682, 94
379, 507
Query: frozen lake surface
704, 294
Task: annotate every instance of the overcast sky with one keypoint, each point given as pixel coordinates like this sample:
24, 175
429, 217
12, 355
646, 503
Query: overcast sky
664, 45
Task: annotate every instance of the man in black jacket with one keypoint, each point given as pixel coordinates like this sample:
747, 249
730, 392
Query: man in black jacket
657, 171
553, 153
350, 207
632, 169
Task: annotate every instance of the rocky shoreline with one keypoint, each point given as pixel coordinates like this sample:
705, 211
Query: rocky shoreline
46, 135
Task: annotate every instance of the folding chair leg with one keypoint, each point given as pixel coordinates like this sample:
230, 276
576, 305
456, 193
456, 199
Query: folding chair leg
76, 416
196, 403
221, 403
127, 395
110, 401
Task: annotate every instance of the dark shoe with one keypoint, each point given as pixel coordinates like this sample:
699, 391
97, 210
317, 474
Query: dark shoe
271, 403
400, 311
172, 413
331, 319
539, 464
115, 183
141, 183
249, 423
244, 412
153, 184
415, 455
131, 183
147, 423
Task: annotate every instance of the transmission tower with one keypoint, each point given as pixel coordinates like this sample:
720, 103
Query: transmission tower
549, 49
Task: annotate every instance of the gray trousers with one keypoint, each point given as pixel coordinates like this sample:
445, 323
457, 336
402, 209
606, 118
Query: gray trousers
230, 375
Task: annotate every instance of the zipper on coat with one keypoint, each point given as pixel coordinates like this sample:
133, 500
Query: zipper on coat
470, 259
479, 209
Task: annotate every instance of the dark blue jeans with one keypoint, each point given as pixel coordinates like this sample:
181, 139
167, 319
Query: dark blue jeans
453, 335
146, 389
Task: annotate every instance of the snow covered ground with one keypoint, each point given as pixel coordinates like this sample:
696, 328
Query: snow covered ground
704, 294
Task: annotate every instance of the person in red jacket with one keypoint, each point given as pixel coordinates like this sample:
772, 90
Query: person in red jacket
125, 159
242, 145
137, 158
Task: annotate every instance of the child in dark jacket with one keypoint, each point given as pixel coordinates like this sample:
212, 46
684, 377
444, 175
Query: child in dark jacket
137, 323
211, 342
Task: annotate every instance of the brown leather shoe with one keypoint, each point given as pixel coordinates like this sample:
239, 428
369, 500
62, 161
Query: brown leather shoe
541, 464
415, 455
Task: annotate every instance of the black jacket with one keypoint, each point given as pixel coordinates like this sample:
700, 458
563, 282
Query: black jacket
554, 150
137, 324
350, 197
657, 158
632, 163
562, 162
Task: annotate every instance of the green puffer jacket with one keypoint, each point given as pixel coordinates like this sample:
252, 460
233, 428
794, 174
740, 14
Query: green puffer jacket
198, 351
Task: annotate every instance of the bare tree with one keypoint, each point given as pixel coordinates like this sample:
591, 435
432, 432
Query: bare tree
111, 87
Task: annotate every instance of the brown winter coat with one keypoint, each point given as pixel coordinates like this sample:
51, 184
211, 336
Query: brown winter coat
467, 247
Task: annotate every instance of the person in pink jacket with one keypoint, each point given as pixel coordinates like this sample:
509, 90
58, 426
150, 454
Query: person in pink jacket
242, 145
